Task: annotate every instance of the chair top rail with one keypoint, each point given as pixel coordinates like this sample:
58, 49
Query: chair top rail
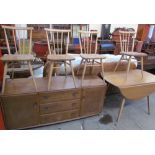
127, 32
17, 28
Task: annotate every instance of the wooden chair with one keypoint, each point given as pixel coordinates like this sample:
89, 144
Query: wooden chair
23, 49
88, 46
127, 42
58, 41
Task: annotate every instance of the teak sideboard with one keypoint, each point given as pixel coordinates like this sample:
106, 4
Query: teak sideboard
25, 108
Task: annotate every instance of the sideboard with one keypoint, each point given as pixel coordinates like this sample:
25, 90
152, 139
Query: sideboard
24, 108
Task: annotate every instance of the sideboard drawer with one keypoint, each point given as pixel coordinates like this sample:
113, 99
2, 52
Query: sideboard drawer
59, 106
60, 116
59, 96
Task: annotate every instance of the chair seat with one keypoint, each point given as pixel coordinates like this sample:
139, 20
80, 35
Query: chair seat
135, 54
62, 57
17, 57
92, 56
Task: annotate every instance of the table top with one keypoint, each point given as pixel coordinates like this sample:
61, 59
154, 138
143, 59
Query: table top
118, 78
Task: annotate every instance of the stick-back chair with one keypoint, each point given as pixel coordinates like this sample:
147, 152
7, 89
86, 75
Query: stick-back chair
17, 37
88, 46
58, 41
127, 44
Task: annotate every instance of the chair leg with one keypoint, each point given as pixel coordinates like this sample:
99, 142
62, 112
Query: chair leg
72, 73
118, 63
31, 71
4, 77
102, 69
84, 70
121, 109
12, 75
128, 67
92, 68
65, 65
148, 104
50, 75
79, 67
142, 66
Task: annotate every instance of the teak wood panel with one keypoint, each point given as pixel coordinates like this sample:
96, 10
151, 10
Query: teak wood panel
59, 96
20, 111
59, 106
59, 116
92, 100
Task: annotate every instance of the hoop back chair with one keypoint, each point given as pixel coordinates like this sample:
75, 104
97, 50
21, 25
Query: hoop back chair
88, 46
127, 44
58, 41
17, 37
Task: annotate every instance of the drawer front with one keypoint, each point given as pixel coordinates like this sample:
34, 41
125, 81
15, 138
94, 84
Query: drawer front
59, 106
59, 96
60, 116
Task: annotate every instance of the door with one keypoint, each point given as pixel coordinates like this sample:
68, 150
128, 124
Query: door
92, 100
20, 111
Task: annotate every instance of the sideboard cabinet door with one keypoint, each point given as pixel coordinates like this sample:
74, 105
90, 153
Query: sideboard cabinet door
20, 111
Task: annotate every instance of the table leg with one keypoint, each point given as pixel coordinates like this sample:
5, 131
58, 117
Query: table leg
4, 77
121, 109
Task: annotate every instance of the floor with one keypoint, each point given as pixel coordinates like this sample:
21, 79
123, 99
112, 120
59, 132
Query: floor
134, 117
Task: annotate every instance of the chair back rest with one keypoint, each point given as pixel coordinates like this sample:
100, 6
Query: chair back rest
127, 40
58, 40
88, 42
18, 38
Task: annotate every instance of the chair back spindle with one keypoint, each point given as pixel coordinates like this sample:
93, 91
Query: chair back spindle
58, 40
18, 38
127, 40
88, 45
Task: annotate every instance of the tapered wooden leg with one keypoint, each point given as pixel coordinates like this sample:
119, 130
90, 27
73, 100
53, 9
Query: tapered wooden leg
128, 67
4, 77
121, 109
92, 68
50, 75
118, 63
142, 66
12, 66
65, 65
148, 104
84, 70
102, 69
79, 67
109, 88
31, 71
72, 73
